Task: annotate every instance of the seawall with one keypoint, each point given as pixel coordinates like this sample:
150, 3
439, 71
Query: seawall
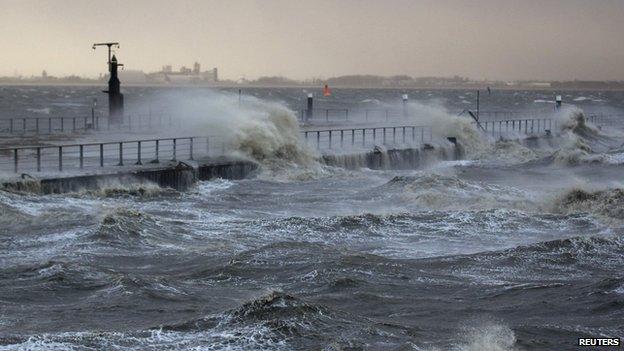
379, 158
182, 175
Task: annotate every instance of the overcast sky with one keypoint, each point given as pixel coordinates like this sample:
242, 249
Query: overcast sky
494, 39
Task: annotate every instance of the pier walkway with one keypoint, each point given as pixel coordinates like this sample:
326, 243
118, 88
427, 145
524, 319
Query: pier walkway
104, 156
92, 146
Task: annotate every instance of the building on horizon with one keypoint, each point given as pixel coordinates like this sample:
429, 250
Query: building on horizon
184, 75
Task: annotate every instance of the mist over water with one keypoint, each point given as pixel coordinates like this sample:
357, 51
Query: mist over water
515, 247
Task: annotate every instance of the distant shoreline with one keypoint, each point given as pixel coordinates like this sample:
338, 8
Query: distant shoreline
258, 86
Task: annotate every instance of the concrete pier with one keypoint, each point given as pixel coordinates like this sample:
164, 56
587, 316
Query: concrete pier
180, 176
183, 175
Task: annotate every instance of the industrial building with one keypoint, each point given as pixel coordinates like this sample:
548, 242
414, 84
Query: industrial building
184, 75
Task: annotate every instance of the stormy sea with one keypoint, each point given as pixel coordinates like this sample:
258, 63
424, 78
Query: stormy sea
513, 247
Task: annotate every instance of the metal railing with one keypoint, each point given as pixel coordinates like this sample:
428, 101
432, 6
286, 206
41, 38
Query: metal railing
528, 126
350, 115
328, 139
389, 114
495, 115
601, 119
55, 125
93, 156
535, 126
81, 157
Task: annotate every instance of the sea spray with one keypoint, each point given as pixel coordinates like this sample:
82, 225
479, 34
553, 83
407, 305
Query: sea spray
266, 132
433, 191
579, 140
607, 203
487, 335
476, 144
445, 124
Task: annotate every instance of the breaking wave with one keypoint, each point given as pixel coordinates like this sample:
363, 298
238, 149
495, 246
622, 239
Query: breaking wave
488, 336
10, 214
445, 124
607, 203
577, 141
254, 129
127, 229
270, 135
580, 141
274, 321
434, 191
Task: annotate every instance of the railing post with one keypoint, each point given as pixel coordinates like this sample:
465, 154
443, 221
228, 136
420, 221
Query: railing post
413, 134
156, 150
15, 160
60, 149
330, 138
101, 155
364, 136
403, 135
422, 135
120, 154
374, 136
384, 135
393, 135
341, 138
318, 140
191, 149
81, 156
175, 142
38, 159
139, 153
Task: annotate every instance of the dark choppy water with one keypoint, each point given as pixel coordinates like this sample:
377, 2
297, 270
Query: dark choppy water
479, 255
62, 101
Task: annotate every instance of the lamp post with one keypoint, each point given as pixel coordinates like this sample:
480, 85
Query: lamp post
93, 106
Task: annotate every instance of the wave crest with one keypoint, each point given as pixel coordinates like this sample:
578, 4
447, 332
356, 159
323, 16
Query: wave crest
607, 203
